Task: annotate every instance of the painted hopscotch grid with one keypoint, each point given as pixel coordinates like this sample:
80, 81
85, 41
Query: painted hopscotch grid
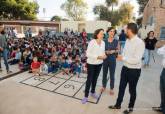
70, 86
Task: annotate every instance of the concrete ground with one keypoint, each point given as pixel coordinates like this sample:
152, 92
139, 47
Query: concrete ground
60, 94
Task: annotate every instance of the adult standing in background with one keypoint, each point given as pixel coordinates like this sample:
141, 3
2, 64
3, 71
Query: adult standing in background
111, 49
84, 36
132, 58
95, 56
4, 51
150, 43
122, 39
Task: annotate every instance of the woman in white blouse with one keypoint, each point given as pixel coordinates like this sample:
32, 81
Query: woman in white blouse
95, 56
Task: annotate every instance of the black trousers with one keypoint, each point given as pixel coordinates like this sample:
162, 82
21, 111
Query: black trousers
131, 77
162, 90
93, 72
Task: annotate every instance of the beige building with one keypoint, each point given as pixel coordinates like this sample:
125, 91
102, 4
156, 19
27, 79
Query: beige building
89, 26
154, 18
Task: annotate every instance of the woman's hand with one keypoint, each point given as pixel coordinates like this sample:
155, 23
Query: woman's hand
102, 57
110, 52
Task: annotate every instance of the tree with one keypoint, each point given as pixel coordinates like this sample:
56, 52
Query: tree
111, 3
56, 18
102, 11
142, 4
123, 15
18, 9
75, 9
126, 11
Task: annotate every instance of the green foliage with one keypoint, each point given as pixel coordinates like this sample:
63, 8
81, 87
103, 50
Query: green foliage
58, 18
117, 17
55, 18
75, 9
126, 11
18, 9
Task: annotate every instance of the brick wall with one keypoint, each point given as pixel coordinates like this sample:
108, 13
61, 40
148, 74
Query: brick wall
153, 9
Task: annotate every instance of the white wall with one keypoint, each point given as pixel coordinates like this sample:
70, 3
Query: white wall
70, 25
90, 26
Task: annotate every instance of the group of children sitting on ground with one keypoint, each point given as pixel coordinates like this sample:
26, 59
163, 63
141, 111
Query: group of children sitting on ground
42, 55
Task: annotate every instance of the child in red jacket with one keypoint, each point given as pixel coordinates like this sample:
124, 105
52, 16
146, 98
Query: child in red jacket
35, 66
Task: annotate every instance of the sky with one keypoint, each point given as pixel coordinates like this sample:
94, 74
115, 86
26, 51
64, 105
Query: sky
52, 7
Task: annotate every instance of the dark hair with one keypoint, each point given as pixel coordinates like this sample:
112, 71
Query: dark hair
133, 27
97, 32
122, 31
150, 33
3, 32
110, 28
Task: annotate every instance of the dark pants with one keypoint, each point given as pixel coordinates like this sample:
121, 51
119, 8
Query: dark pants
14, 61
93, 73
131, 77
162, 90
111, 65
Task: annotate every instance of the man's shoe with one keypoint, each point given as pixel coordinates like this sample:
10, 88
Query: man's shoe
157, 109
128, 111
114, 107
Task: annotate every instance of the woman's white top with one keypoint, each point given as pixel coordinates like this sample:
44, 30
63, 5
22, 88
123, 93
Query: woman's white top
93, 51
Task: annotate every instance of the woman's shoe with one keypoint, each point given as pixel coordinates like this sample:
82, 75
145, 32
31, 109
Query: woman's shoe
84, 100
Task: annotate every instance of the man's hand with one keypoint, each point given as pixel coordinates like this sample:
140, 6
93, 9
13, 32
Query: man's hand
1, 49
120, 58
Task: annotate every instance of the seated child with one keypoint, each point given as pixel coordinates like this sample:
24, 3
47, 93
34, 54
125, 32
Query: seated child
78, 68
35, 66
54, 64
72, 66
69, 60
21, 65
27, 55
17, 57
43, 68
65, 66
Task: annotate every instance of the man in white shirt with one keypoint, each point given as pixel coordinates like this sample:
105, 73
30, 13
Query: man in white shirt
132, 58
161, 51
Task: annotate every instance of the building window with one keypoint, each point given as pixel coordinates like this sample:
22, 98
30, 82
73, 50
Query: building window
162, 4
151, 20
162, 33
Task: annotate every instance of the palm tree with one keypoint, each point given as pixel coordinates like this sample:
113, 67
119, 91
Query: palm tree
111, 3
